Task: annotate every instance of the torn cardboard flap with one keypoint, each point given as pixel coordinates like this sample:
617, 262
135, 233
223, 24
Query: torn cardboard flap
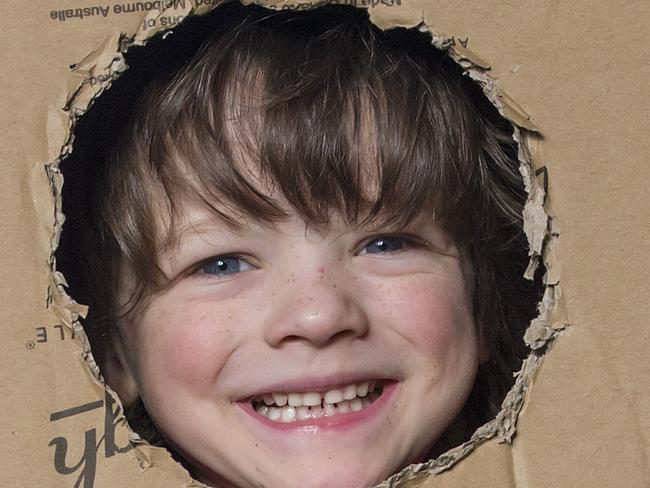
536, 219
386, 14
538, 334
516, 113
92, 74
57, 130
551, 256
463, 56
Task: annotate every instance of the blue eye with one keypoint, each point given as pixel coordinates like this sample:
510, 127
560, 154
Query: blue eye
384, 244
221, 266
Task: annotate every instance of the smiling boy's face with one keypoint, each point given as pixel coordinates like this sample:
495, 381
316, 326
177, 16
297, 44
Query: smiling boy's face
367, 333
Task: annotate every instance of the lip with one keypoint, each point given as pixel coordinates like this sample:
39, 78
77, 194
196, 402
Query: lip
324, 425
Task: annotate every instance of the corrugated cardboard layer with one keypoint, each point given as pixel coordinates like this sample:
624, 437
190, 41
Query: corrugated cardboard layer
579, 70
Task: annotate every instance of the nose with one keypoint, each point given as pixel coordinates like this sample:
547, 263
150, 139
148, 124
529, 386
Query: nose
317, 309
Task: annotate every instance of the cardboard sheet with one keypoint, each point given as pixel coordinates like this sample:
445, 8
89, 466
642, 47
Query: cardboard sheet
572, 77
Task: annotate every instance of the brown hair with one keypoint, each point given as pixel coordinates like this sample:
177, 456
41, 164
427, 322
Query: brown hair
338, 117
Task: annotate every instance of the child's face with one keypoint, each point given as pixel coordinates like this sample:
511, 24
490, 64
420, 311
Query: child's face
268, 311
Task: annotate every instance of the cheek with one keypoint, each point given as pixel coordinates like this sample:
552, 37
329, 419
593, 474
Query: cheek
431, 313
186, 345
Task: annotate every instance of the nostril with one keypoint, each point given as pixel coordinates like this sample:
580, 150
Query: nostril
342, 334
347, 333
292, 338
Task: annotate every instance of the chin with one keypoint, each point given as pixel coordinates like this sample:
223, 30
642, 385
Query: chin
330, 473
331, 477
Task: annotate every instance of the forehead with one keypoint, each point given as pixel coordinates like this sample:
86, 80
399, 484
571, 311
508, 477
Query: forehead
191, 219
201, 224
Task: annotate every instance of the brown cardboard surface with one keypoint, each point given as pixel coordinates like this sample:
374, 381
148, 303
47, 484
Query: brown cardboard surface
576, 71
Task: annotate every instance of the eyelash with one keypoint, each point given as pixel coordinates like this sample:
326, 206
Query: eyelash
384, 240
219, 263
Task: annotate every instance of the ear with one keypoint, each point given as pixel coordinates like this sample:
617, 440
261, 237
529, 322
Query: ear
118, 372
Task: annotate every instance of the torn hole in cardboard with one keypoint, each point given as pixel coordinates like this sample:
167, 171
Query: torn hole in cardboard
102, 68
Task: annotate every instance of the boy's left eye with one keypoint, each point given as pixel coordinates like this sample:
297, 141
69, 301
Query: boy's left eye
221, 266
385, 244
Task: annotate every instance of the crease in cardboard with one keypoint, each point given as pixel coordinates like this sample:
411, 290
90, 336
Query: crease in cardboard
100, 67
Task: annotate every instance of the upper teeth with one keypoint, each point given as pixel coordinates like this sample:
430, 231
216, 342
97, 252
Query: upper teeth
313, 399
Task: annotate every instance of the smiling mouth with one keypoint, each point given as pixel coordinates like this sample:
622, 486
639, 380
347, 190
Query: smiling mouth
295, 407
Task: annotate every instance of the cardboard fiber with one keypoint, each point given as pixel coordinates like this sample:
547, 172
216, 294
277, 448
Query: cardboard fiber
573, 76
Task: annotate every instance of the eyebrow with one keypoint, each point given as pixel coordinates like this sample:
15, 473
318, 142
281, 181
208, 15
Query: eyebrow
239, 224
175, 235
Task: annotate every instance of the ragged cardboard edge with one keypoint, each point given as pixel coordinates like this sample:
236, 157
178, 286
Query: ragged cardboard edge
92, 76
99, 68
502, 428
89, 79
542, 234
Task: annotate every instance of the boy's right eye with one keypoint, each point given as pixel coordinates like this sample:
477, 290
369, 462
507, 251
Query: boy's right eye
221, 266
